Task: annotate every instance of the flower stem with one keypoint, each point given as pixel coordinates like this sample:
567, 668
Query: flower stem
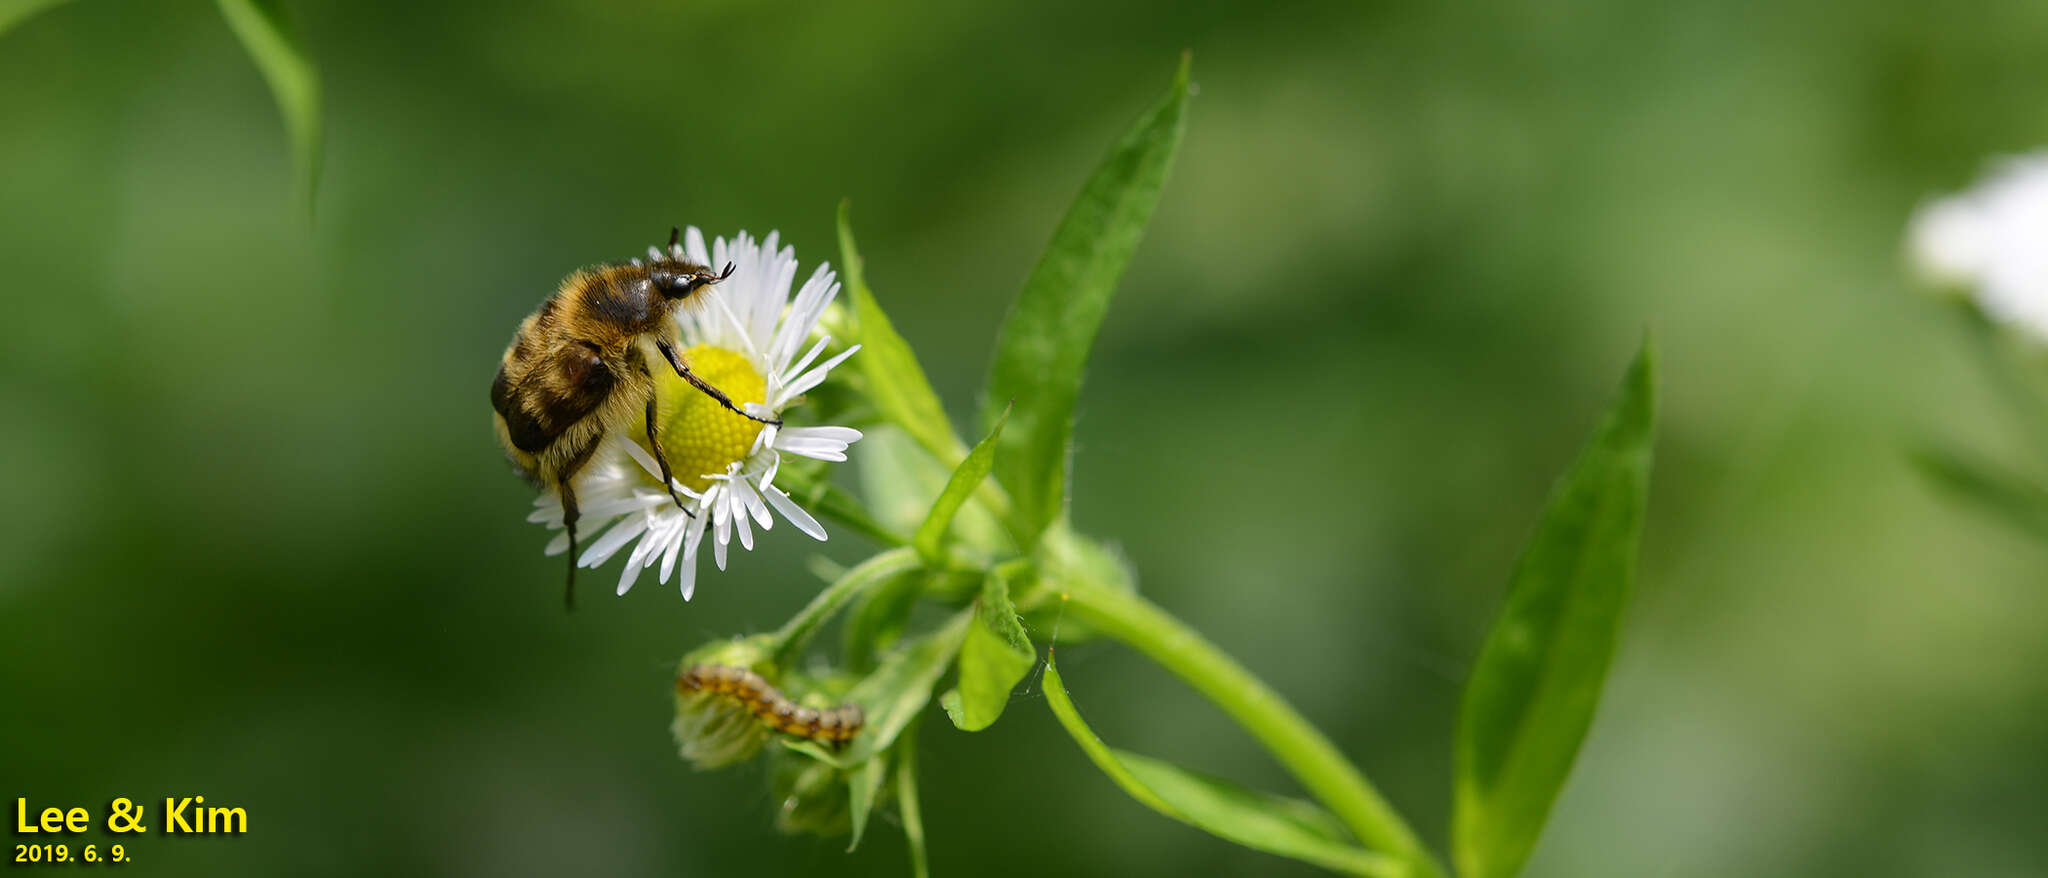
795, 634
1309, 756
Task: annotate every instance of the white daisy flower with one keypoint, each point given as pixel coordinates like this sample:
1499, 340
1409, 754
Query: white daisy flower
1992, 240
745, 340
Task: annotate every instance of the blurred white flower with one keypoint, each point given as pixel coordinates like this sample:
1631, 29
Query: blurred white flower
1991, 241
745, 341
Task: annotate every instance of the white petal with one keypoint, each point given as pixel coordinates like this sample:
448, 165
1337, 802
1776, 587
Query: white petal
746, 340
792, 371
671, 544
816, 376
841, 435
738, 513
648, 551
589, 525
688, 579
778, 269
627, 576
802, 316
821, 443
750, 500
721, 522
796, 515
826, 285
694, 533
634, 564
693, 244
623, 505
641, 457
608, 545
765, 438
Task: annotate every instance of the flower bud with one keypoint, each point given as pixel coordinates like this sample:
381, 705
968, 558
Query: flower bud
715, 730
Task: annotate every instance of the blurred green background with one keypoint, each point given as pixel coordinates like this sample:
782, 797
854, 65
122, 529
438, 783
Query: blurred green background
260, 545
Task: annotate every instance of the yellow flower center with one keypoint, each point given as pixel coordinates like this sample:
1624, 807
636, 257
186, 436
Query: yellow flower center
699, 437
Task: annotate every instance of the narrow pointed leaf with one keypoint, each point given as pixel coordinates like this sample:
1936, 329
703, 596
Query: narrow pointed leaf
282, 58
1045, 341
1274, 824
864, 786
2014, 499
907, 806
994, 657
896, 382
1537, 680
900, 482
965, 479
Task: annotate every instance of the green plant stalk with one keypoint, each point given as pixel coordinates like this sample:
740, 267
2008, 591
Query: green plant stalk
795, 634
1309, 756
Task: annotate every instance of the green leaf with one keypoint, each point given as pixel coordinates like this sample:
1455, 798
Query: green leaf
995, 656
864, 786
893, 695
907, 805
13, 12
895, 381
1538, 677
282, 58
1045, 341
1260, 821
966, 478
2010, 497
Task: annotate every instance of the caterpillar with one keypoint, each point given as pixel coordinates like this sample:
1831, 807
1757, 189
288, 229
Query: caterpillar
834, 726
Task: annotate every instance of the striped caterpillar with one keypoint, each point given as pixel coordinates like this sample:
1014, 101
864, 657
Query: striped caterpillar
834, 726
